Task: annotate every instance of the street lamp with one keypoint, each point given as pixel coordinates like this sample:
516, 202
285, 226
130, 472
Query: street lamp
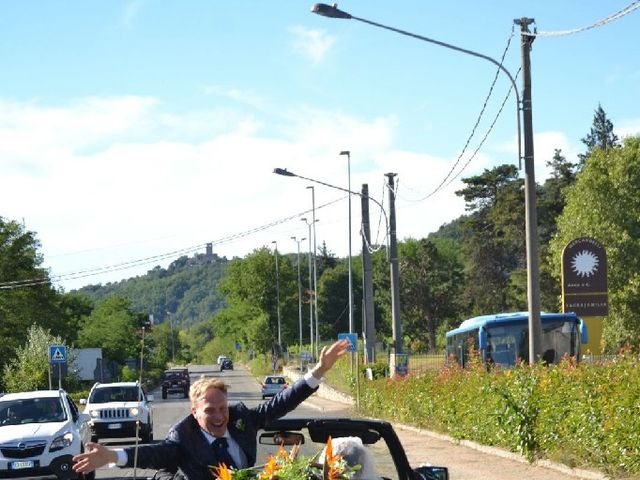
299, 296
533, 276
315, 269
286, 173
278, 297
348, 154
311, 289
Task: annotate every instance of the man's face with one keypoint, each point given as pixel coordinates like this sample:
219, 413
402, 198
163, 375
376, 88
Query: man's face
211, 412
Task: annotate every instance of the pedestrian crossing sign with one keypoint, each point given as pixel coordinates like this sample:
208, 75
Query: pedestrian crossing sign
57, 353
353, 341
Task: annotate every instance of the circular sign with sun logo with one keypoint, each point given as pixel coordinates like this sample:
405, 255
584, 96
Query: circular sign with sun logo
584, 263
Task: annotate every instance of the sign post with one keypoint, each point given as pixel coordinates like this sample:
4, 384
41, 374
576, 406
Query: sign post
57, 354
353, 348
584, 286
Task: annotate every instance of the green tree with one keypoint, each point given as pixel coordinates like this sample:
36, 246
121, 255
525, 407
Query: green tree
551, 203
23, 300
604, 204
29, 369
601, 136
430, 289
493, 239
112, 326
333, 300
252, 281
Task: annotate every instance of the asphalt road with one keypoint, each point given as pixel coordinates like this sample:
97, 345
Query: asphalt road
465, 461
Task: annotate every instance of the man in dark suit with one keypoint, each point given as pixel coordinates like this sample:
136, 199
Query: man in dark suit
215, 432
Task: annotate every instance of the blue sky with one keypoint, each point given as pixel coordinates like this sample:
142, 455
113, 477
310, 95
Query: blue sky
135, 131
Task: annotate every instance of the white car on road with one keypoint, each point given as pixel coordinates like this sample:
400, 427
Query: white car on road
119, 410
40, 432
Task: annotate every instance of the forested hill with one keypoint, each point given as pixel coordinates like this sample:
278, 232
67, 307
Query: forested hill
187, 289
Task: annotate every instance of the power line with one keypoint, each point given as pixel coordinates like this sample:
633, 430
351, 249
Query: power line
614, 16
443, 183
152, 259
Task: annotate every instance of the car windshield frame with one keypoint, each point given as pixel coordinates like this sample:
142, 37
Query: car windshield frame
21, 411
112, 393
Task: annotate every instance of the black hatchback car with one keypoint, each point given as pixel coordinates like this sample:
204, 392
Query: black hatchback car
226, 365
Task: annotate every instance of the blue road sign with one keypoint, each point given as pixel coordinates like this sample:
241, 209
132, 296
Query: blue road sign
57, 354
353, 340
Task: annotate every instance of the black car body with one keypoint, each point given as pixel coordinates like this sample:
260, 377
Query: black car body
226, 365
377, 435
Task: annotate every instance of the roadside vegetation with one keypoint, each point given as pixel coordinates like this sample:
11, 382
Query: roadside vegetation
585, 415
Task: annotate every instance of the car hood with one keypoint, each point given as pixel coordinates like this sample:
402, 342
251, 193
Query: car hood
9, 433
97, 406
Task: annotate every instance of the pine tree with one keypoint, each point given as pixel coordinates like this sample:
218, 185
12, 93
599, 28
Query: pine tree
600, 136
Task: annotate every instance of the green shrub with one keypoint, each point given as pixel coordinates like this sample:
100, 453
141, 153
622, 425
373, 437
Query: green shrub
582, 415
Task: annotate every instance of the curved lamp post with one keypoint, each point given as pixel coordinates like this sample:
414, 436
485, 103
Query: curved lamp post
312, 292
533, 275
315, 269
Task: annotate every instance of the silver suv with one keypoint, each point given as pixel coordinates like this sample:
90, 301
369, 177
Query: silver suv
119, 410
40, 432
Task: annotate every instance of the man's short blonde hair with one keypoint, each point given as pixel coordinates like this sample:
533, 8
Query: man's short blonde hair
200, 387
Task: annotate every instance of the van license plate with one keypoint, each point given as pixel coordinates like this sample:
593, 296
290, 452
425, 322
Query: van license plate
21, 465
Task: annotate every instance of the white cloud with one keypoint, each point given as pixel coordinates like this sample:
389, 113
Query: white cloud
628, 127
113, 180
313, 44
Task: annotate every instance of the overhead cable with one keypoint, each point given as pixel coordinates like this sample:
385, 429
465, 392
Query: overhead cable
615, 16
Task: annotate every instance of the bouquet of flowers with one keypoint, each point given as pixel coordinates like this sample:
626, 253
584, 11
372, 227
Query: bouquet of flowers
292, 466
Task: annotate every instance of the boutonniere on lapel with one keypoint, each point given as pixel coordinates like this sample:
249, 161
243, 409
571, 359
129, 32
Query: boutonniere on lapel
240, 426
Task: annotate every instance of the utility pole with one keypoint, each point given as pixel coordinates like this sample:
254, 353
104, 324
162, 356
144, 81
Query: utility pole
531, 216
395, 275
369, 334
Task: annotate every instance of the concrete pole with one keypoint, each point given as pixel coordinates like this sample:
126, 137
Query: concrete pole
531, 215
369, 333
395, 275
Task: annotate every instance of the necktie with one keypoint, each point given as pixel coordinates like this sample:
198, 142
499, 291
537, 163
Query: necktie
222, 452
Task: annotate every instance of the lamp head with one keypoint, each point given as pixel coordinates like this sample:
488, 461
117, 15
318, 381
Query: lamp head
284, 172
330, 11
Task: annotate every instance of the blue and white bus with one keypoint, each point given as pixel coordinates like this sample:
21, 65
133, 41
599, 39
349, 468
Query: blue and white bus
503, 338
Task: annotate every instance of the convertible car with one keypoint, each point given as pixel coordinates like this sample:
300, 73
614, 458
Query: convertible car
386, 452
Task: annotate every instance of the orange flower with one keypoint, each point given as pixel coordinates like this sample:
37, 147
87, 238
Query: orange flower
221, 472
270, 468
332, 467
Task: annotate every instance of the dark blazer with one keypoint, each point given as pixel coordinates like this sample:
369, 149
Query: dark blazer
187, 448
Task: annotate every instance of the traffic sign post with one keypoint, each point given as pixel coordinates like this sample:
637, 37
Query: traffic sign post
57, 354
353, 348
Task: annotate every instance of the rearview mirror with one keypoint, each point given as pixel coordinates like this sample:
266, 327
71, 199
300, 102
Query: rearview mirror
281, 438
431, 472
150, 398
